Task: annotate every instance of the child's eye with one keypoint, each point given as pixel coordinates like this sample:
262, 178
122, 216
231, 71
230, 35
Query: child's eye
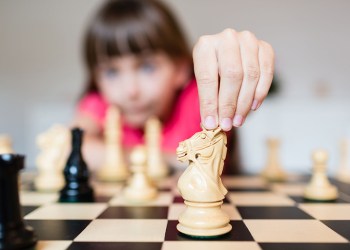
147, 67
110, 73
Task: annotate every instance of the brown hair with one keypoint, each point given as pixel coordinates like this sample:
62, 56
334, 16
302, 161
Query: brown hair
132, 27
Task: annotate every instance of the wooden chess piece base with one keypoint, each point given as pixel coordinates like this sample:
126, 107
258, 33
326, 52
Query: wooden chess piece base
142, 195
158, 172
343, 176
320, 189
49, 182
110, 174
140, 189
274, 174
204, 219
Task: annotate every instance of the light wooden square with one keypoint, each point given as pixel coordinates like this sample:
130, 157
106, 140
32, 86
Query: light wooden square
244, 182
79, 211
162, 199
53, 245
327, 211
259, 199
205, 245
311, 231
106, 189
124, 230
36, 199
289, 189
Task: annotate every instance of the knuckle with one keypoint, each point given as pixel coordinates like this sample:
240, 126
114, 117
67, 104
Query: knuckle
209, 106
203, 41
232, 74
205, 79
227, 108
229, 32
267, 64
252, 73
268, 70
266, 46
247, 35
202, 45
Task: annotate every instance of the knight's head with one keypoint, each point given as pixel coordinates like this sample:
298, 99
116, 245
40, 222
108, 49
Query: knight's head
200, 144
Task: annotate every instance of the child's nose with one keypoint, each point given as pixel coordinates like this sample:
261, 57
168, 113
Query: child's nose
133, 89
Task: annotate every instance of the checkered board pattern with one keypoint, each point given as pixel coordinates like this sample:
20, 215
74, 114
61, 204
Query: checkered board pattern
263, 215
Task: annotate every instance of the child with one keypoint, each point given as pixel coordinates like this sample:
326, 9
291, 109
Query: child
137, 59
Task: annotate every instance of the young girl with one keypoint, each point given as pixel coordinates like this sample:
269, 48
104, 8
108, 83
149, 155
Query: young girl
137, 59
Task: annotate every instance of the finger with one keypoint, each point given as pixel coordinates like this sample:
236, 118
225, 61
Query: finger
251, 73
266, 62
206, 71
231, 75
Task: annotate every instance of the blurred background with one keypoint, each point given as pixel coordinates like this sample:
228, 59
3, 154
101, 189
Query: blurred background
41, 71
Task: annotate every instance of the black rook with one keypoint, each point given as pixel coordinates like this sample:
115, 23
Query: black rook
14, 234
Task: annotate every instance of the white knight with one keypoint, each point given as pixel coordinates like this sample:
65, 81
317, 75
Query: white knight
200, 185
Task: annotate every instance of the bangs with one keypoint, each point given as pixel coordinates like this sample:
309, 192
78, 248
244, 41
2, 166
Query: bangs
133, 37
126, 28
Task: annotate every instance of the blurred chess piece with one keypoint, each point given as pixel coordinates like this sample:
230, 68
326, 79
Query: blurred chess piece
343, 173
14, 233
140, 188
77, 186
114, 167
273, 170
319, 188
5, 144
156, 165
54, 148
200, 185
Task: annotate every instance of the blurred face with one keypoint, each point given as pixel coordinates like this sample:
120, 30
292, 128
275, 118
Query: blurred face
141, 86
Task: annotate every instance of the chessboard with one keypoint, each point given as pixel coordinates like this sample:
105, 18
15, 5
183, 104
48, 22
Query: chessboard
263, 215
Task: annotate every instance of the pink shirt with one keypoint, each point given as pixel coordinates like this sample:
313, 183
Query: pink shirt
183, 123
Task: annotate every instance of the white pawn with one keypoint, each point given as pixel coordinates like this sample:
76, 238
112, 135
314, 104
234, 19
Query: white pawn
343, 173
140, 188
54, 145
5, 145
114, 167
156, 165
273, 170
319, 188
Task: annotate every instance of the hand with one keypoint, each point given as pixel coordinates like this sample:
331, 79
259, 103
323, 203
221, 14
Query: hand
234, 71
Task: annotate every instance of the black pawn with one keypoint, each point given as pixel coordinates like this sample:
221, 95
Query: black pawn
77, 187
14, 234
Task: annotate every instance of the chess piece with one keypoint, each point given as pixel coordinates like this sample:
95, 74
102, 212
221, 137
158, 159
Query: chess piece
343, 173
319, 188
77, 188
14, 234
140, 188
5, 145
200, 184
114, 167
156, 165
273, 170
54, 146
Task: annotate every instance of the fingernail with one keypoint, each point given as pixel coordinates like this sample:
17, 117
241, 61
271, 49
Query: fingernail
255, 105
238, 120
226, 124
210, 122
